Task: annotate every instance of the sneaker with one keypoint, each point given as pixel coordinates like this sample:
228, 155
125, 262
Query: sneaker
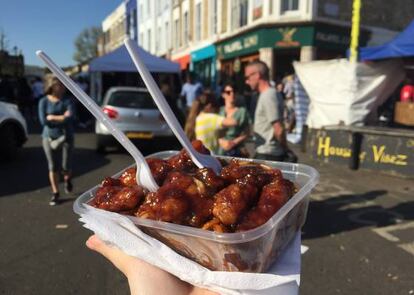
68, 186
54, 199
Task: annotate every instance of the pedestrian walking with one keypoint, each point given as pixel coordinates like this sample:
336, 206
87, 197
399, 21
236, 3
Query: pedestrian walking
190, 91
6, 90
56, 115
301, 111
24, 97
166, 89
37, 89
269, 131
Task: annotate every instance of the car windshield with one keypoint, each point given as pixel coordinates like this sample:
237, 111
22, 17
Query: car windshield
132, 99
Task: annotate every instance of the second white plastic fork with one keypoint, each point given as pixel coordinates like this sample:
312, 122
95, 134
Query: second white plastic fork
200, 160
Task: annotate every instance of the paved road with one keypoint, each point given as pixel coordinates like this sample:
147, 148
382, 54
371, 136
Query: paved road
360, 230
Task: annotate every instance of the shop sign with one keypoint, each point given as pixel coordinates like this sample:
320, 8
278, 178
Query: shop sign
243, 45
330, 36
392, 154
288, 37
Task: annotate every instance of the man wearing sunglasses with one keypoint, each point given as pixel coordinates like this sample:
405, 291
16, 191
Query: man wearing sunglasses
268, 117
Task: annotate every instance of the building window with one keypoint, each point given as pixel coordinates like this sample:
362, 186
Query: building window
158, 9
290, 5
239, 11
149, 40
244, 7
148, 8
141, 13
177, 33
158, 39
141, 39
132, 24
167, 36
258, 9
198, 22
185, 29
214, 19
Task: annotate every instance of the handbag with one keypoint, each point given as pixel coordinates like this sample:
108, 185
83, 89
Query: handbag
57, 143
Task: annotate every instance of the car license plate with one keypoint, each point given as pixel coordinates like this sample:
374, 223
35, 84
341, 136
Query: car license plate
141, 135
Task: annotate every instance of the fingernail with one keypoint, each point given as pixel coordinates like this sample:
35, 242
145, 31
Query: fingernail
91, 242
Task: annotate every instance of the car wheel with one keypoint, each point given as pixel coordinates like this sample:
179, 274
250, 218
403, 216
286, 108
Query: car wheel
9, 143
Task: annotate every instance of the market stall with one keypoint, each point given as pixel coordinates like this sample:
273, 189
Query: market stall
117, 69
343, 124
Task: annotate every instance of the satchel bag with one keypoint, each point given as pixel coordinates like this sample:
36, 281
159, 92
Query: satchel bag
57, 143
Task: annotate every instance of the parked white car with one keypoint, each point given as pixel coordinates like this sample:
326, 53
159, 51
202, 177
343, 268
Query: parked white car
13, 130
134, 112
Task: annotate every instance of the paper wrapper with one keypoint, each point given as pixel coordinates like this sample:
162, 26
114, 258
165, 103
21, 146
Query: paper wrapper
282, 278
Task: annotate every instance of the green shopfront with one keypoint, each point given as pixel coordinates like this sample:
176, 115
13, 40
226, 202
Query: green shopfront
279, 46
203, 63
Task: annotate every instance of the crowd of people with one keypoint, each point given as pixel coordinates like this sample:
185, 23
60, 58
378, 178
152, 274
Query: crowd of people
224, 123
23, 93
26, 93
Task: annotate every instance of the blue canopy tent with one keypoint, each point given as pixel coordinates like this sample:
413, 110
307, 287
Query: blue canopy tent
120, 61
400, 46
117, 69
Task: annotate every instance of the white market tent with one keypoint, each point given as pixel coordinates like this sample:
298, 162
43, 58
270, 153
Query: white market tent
120, 61
342, 92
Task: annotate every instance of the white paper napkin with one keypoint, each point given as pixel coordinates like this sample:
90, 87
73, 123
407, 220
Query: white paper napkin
282, 278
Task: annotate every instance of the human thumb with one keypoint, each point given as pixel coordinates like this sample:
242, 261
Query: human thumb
113, 254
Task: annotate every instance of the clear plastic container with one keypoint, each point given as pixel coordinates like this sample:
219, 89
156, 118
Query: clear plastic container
250, 251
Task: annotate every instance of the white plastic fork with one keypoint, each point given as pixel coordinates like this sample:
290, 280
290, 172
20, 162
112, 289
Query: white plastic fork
199, 159
143, 176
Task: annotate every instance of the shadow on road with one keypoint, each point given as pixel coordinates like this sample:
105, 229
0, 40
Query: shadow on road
348, 212
29, 171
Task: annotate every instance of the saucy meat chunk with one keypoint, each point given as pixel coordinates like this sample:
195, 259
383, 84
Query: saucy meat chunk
254, 174
272, 198
128, 177
182, 160
118, 198
211, 180
197, 194
167, 204
159, 169
109, 181
231, 202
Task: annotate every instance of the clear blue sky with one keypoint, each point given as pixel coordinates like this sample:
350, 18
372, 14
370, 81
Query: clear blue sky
51, 26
